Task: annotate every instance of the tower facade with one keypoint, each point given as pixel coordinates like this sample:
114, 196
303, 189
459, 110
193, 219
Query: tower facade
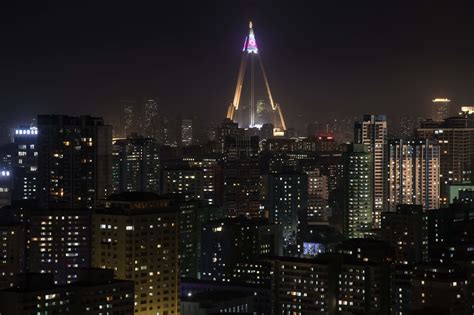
413, 173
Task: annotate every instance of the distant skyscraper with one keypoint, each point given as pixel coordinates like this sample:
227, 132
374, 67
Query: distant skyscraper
151, 126
74, 161
408, 126
440, 109
25, 163
413, 173
185, 131
358, 191
164, 130
128, 117
455, 137
372, 131
136, 165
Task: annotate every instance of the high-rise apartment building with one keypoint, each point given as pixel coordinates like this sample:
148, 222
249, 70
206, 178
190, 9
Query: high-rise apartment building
128, 118
241, 147
408, 126
184, 181
306, 286
198, 178
318, 196
58, 242
441, 286
212, 178
406, 230
12, 252
455, 137
227, 128
136, 165
329, 284
25, 163
95, 292
151, 123
413, 173
358, 191
440, 109
363, 288
286, 200
185, 131
5, 188
242, 188
230, 243
372, 131
74, 161
193, 215
137, 235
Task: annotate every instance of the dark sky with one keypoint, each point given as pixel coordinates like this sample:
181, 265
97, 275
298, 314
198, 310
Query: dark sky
323, 58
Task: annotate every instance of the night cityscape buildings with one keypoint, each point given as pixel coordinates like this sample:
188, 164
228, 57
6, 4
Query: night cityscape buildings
151, 211
413, 173
74, 161
372, 131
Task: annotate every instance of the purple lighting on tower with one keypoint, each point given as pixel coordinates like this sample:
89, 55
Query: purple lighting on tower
251, 44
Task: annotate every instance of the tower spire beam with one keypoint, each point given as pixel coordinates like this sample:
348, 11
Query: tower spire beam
266, 83
238, 88
269, 92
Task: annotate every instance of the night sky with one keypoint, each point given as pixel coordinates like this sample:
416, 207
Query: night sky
325, 59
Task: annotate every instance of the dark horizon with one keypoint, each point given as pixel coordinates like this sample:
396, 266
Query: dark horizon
323, 60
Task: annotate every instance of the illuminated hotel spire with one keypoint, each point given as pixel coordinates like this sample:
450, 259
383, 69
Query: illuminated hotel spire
250, 51
250, 44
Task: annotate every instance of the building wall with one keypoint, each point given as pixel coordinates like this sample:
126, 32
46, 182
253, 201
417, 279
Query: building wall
413, 174
141, 246
358, 200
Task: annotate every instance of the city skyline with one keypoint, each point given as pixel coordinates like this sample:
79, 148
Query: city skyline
334, 176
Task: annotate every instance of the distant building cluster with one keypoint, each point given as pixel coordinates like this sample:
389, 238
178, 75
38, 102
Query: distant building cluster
239, 221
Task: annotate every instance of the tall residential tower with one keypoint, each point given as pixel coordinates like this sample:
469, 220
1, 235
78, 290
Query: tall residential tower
372, 131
